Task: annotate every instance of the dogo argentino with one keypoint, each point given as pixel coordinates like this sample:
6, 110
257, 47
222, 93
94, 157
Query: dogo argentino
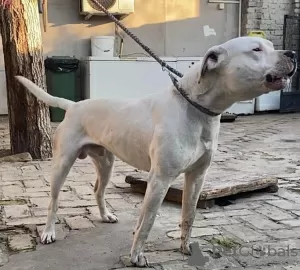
165, 134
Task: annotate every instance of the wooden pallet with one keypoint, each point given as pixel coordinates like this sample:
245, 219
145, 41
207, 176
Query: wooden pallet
213, 188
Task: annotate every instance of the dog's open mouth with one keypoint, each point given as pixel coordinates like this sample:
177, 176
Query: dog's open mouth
276, 82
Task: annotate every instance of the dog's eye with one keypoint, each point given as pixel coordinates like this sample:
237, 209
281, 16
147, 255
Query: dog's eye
257, 50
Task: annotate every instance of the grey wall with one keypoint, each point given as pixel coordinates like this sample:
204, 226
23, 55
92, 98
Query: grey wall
169, 27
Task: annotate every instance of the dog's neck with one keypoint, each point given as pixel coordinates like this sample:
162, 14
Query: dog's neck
208, 93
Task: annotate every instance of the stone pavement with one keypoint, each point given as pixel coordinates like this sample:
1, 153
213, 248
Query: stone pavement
255, 231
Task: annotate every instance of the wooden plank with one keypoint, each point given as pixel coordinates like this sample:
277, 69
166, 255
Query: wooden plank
213, 188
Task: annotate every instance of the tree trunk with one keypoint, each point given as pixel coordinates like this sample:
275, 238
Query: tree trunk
29, 119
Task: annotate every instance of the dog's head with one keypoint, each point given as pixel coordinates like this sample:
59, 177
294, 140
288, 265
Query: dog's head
247, 67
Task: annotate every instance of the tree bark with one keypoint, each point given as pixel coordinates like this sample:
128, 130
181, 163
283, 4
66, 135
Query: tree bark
29, 119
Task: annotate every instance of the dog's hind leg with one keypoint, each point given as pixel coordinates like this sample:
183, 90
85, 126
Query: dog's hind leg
63, 159
104, 163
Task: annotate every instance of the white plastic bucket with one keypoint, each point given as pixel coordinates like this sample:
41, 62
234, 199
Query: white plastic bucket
103, 46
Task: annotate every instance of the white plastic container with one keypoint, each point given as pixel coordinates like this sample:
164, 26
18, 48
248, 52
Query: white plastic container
102, 46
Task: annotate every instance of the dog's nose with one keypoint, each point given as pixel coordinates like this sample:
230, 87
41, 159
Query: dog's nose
290, 54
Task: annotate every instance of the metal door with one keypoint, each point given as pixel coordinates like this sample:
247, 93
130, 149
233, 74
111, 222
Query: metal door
290, 97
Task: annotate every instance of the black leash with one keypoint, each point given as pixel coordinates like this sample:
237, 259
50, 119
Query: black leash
185, 95
160, 61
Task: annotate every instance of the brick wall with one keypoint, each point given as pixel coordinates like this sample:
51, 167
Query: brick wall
296, 7
268, 16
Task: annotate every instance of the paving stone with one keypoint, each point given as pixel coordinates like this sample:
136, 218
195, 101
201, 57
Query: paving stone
136, 198
77, 203
156, 257
279, 245
273, 212
118, 178
292, 267
285, 233
78, 223
43, 189
244, 205
289, 195
260, 262
10, 183
23, 242
218, 263
196, 232
11, 190
285, 204
257, 197
108, 187
135, 268
232, 213
33, 183
3, 258
67, 196
215, 222
33, 195
29, 168
88, 197
16, 211
71, 183
177, 266
11, 177
94, 212
245, 233
61, 231
262, 223
61, 212
172, 244
296, 212
87, 170
83, 190
27, 221
38, 189
41, 203
114, 196
107, 196
291, 223
120, 204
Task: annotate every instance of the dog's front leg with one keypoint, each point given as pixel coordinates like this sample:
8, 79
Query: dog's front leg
156, 191
192, 188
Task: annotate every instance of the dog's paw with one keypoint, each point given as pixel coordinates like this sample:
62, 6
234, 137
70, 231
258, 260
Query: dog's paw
186, 250
48, 237
109, 218
139, 260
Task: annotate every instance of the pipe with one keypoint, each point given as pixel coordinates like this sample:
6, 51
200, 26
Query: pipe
240, 18
45, 14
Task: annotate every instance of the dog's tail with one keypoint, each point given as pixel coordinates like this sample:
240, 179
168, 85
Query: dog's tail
40, 94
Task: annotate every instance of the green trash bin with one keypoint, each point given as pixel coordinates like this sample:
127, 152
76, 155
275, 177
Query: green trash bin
62, 81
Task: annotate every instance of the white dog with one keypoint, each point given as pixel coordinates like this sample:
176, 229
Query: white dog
165, 134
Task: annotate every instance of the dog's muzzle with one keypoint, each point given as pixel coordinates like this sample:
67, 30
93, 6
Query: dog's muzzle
277, 81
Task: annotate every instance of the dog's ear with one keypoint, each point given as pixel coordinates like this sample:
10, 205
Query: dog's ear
212, 60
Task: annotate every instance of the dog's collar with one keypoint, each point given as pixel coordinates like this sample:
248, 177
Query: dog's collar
185, 95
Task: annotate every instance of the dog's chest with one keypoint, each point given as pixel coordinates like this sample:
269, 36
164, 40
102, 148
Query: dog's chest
200, 144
